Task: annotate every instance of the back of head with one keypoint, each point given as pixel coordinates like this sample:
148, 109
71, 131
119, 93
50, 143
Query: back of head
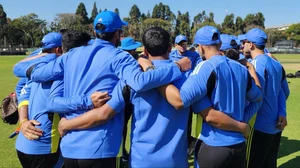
258, 37
229, 47
50, 41
74, 38
107, 23
156, 41
207, 35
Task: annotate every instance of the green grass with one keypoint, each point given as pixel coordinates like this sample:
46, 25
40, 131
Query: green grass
289, 153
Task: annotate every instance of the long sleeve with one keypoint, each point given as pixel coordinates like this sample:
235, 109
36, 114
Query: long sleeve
128, 71
282, 104
46, 71
57, 103
21, 68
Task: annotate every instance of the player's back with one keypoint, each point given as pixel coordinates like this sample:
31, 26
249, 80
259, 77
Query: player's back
228, 95
272, 72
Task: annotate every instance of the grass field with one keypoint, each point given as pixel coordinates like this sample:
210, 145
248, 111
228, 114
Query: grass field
289, 154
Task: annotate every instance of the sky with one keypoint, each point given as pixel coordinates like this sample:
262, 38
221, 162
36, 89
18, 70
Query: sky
276, 12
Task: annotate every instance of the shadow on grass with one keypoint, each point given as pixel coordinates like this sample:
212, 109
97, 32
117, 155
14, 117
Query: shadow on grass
288, 147
294, 163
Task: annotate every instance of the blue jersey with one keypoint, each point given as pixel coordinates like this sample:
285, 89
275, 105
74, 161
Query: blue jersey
24, 85
98, 67
158, 131
270, 74
227, 94
37, 110
193, 56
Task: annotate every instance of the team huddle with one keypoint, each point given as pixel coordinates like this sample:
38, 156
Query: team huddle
76, 95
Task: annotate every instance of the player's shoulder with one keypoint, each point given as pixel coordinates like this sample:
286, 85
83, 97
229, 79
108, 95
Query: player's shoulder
204, 66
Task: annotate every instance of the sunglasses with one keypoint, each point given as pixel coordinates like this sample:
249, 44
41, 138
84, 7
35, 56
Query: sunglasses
183, 44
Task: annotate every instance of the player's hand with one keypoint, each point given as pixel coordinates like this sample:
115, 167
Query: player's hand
61, 127
185, 64
144, 63
30, 131
246, 131
99, 98
281, 123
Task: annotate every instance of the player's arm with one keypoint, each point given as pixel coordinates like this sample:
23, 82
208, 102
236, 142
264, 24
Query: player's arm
21, 68
33, 57
47, 71
193, 89
284, 84
217, 118
56, 102
96, 116
128, 71
282, 121
27, 127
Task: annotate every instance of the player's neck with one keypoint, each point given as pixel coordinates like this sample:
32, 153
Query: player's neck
255, 53
162, 57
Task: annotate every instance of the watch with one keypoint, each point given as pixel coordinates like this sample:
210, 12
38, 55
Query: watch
150, 68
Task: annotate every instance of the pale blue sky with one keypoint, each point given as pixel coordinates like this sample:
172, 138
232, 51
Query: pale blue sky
276, 12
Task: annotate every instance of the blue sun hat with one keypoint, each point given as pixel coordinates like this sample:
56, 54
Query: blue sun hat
128, 43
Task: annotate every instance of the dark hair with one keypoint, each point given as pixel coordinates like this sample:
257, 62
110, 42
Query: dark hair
234, 44
215, 36
47, 50
260, 47
156, 41
74, 38
232, 54
104, 36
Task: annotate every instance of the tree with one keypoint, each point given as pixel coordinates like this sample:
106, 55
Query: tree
228, 24
81, 11
134, 14
239, 25
3, 19
32, 27
117, 11
255, 20
293, 33
274, 36
69, 21
148, 14
164, 12
100, 10
178, 22
260, 19
211, 17
94, 13
198, 18
155, 12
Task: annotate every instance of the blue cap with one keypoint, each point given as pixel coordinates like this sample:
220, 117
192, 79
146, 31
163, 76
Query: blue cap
204, 36
110, 20
241, 37
180, 38
226, 40
52, 40
236, 39
128, 43
257, 36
